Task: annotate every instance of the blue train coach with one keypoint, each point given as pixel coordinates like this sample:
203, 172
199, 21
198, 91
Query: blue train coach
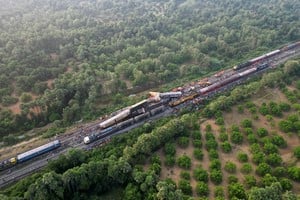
38, 151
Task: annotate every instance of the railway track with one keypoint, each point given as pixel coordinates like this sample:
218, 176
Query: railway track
74, 139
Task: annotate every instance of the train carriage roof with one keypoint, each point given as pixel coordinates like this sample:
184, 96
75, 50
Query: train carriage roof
40, 148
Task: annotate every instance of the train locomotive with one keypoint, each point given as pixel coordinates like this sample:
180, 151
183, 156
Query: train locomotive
20, 158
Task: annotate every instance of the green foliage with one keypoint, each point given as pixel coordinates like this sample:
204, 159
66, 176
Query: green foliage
268, 179
294, 173
170, 160
250, 181
232, 179
185, 187
258, 157
223, 137
226, 147
274, 159
236, 190
213, 154
200, 174
236, 137
215, 165
170, 149
197, 143
216, 176
246, 168
198, 154
246, 123
263, 169
183, 142
230, 167
262, 132
242, 157
271, 192
219, 191
286, 184
279, 141
202, 189
185, 175
279, 172
296, 152
211, 144
184, 162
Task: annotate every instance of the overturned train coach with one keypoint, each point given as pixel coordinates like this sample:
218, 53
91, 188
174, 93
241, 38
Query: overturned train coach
101, 134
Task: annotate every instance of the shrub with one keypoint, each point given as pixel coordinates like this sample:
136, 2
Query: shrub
250, 181
197, 143
230, 167
198, 154
201, 174
219, 191
252, 139
215, 165
270, 148
183, 142
297, 152
211, 144
185, 187
279, 171
236, 191
242, 157
246, 123
286, 184
246, 168
170, 160
196, 135
170, 149
236, 137
213, 154
185, 175
258, 158
226, 147
202, 189
274, 159
223, 137
263, 169
232, 179
262, 132
184, 162
216, 176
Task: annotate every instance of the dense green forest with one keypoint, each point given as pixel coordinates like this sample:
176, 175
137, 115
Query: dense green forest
60, 60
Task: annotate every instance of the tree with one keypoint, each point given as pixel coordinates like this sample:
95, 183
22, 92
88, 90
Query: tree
170, 149
271, 192
236, 137
202, 189
132, 192
169, 160
286, 184
274, 159
183, 142
270, 148
263, 169
250, 181
236, 190
215, 164
200, 174
185, 186
242, 157
226, 147
268, 179
219, 192
262, 132
185, 175
213, 154
246, 168
246, 123
198, 154
184, 162
230, 167
197, 143
167, 191
50, 186
216, 176
297, 152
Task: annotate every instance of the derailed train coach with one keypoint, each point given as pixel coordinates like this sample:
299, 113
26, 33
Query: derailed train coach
29, 154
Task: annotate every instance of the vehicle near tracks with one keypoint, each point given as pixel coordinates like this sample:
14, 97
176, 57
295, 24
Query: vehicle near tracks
20, 158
